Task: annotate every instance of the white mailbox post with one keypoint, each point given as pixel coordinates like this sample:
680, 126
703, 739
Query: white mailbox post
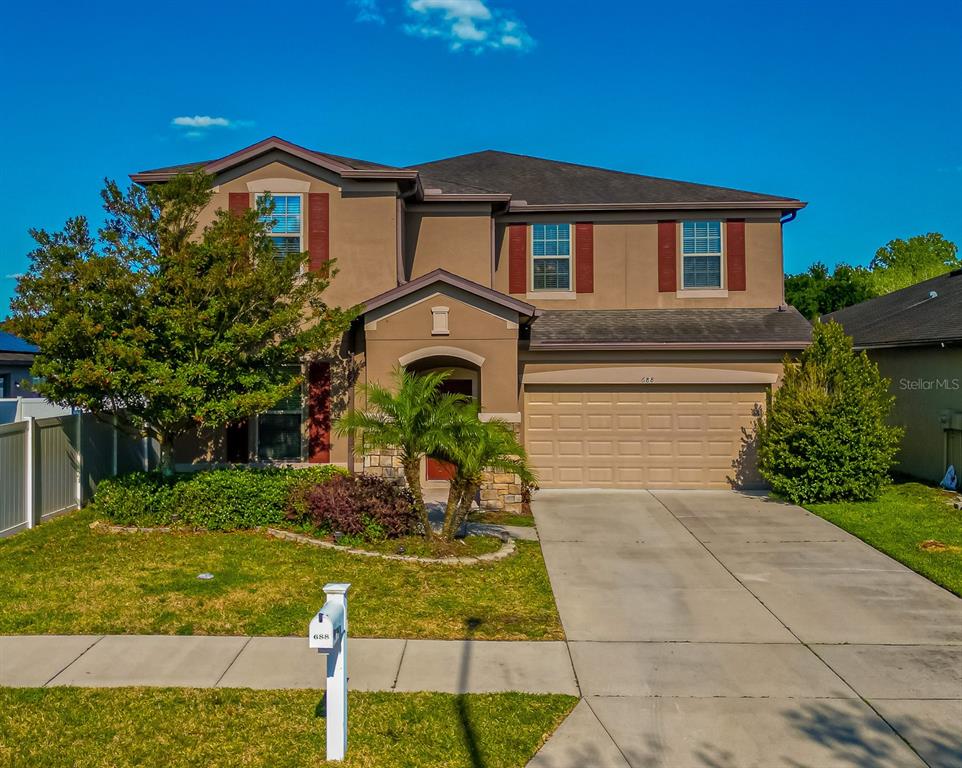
328, 633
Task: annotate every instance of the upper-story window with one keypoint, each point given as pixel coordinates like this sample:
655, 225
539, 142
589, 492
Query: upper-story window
551, 257
701, 249
287, 230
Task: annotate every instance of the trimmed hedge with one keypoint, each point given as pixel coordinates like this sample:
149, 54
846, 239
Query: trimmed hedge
215, 500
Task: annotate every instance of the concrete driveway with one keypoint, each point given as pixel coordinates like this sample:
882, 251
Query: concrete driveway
723, 630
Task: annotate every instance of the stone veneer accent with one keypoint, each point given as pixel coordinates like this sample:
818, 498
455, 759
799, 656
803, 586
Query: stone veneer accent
385, 464
501, 493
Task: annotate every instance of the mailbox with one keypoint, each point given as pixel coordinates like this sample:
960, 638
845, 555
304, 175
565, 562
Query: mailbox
328, 634
327, 627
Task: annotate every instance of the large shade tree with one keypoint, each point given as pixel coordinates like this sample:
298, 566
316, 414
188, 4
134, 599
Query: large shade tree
168, 323
901, 263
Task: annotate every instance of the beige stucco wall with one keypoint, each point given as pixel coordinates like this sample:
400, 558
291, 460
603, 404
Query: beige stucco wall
472, 329
925, 382
455, 238
626, 264
363, 229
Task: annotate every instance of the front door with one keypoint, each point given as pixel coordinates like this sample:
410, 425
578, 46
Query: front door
442, 470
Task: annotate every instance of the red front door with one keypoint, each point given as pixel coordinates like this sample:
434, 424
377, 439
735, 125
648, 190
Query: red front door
442, 470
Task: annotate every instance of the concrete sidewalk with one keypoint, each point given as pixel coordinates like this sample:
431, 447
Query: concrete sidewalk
449, 666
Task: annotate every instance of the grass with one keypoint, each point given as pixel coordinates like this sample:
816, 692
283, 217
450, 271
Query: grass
177, 728
64, 578
911, 523
503, 518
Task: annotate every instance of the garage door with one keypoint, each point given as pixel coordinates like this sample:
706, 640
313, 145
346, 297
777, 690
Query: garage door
642, 436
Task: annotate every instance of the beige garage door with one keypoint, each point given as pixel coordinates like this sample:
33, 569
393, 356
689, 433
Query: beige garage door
642, 436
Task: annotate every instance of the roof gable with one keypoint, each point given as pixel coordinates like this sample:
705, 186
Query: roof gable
412, 289
342, 166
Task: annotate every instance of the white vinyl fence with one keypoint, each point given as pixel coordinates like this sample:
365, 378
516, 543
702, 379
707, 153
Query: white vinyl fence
50, 466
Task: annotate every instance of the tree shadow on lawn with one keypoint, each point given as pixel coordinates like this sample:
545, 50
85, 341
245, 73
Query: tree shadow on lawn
462, 703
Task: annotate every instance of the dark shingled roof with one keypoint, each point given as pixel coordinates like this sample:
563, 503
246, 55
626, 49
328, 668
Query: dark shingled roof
659, 328
11, 343
527, 180
551, 182
360, 165
908, 317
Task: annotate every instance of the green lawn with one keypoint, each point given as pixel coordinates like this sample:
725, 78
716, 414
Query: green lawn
898, 523
503, 518
63, 577
172, 727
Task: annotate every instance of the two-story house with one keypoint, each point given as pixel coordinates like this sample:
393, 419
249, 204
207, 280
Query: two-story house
629, 325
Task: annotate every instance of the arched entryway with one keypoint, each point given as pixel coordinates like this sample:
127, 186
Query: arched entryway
464, 378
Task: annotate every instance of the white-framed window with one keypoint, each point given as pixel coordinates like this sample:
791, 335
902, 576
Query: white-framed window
287, 230
280, 428
551, 257
701, 254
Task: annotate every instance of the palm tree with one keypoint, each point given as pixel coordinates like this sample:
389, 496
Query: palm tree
414, 418
474, 446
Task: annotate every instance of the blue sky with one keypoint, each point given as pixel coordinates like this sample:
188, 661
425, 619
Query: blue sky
854, 106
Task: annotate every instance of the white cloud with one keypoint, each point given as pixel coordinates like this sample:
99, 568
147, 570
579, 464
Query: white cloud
472, 25
467, 25
368, 10
201, 121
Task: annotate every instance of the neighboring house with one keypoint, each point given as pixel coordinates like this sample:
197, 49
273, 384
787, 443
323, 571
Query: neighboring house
915, 337
16, 357
629, 326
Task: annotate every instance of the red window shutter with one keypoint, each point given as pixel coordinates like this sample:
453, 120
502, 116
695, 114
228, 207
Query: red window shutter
667, 256
238, 202
585, 257
735, 253
319, 412
517, 258
318, 228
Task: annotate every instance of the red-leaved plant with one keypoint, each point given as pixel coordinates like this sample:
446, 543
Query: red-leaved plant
358, 505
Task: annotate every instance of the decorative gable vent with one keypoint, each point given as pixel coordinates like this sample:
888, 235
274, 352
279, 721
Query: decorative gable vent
440, 317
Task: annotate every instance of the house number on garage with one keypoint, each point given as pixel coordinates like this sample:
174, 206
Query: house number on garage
647, 379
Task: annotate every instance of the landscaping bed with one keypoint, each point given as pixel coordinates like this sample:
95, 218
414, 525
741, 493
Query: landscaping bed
63, 577
913, 523
191, 727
